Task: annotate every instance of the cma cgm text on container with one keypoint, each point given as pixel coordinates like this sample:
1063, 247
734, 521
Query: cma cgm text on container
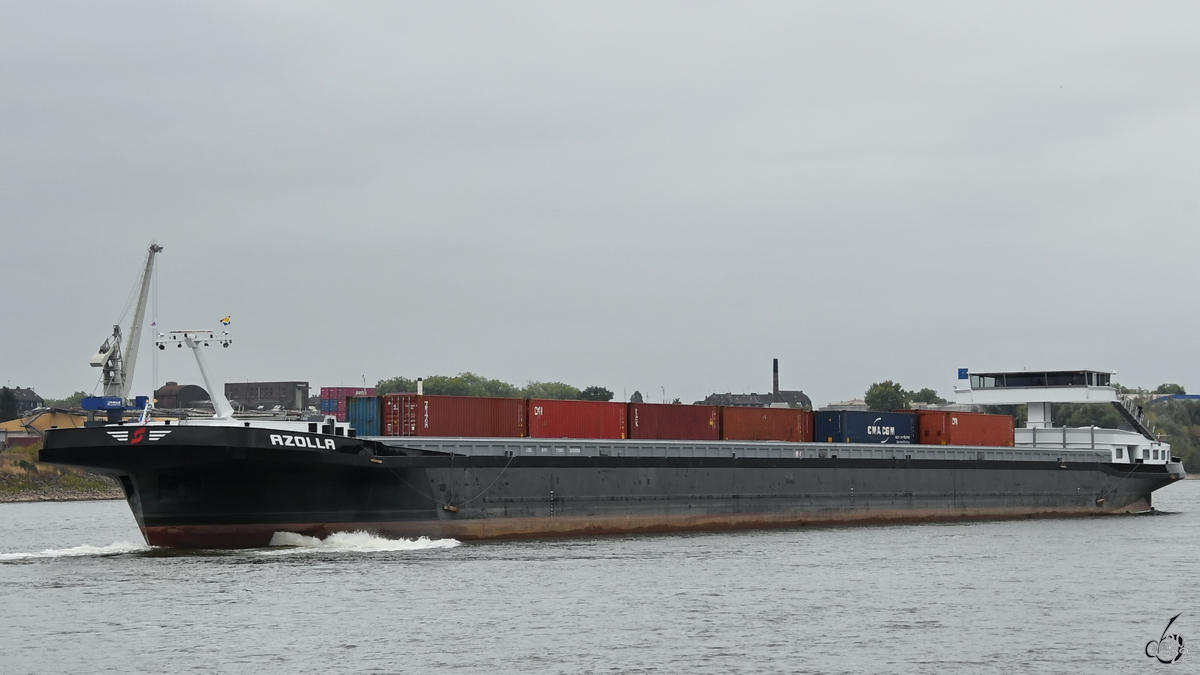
857, 426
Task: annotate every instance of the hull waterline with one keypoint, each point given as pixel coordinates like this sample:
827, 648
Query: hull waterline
235, 488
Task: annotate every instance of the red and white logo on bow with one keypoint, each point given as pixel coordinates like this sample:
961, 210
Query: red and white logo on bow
139, 435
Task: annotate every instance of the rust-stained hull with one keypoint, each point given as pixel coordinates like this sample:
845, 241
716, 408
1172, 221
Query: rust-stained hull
236, 490
255, 536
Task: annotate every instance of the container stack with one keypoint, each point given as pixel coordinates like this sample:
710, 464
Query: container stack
333, 399
859, 426
419, 415
766, 424
939, 427
410, 414
663, 421
362, 412
577, 419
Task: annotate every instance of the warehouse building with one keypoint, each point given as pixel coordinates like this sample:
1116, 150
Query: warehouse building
267, 395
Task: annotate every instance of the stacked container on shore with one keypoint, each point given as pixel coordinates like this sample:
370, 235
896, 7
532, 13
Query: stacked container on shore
673, 421
577, 419
859, 426
940, 427
420, 415
333, 399
766, 424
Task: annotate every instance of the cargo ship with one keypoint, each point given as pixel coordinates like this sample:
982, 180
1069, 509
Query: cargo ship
231, 483
513, 468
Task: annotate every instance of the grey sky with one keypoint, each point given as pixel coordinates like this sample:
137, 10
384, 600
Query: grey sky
637, 195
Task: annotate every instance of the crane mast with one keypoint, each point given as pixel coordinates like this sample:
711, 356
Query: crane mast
135, 327
118, 365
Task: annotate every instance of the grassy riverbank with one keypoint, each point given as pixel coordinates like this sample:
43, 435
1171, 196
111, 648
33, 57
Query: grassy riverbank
24, 479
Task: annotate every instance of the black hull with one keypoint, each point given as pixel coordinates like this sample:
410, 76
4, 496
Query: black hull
230, 488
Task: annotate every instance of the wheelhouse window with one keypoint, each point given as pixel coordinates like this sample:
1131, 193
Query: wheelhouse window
985, 381
1066, 379
1063, 378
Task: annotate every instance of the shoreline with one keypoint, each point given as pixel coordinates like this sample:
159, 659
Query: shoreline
24, 479
49, 493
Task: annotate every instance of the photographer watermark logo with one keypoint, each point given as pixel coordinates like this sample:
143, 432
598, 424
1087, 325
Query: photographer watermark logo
1168, 648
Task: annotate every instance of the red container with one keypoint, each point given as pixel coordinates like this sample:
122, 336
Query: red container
766, 424
674, 422
576, 419
940, 427
413, 415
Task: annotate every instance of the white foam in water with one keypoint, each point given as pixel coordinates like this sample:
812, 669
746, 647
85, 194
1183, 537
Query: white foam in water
356, 542
115, 548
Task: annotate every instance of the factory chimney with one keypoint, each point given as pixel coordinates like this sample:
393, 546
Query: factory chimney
775, 365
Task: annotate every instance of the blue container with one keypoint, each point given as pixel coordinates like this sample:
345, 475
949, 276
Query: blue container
329, 405
857, 426
362, 412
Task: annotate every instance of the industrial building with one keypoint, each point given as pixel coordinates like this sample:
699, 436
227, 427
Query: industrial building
267, 395
27, 399
175, 395
778, 398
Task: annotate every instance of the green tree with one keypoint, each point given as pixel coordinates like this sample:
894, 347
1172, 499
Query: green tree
1179, 423
1169, 389
886, 395
595, 394
636, 398
463, 384
1019, 413
73, 401
395, 385
926, 395
8, 405
554, 390
469, 384
1086, 415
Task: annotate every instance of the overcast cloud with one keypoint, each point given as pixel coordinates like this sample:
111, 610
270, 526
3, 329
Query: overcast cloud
653, 196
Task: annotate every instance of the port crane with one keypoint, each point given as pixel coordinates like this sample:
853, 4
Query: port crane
117, 364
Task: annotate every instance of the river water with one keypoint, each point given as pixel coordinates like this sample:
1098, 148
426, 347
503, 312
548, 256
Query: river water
81, 593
